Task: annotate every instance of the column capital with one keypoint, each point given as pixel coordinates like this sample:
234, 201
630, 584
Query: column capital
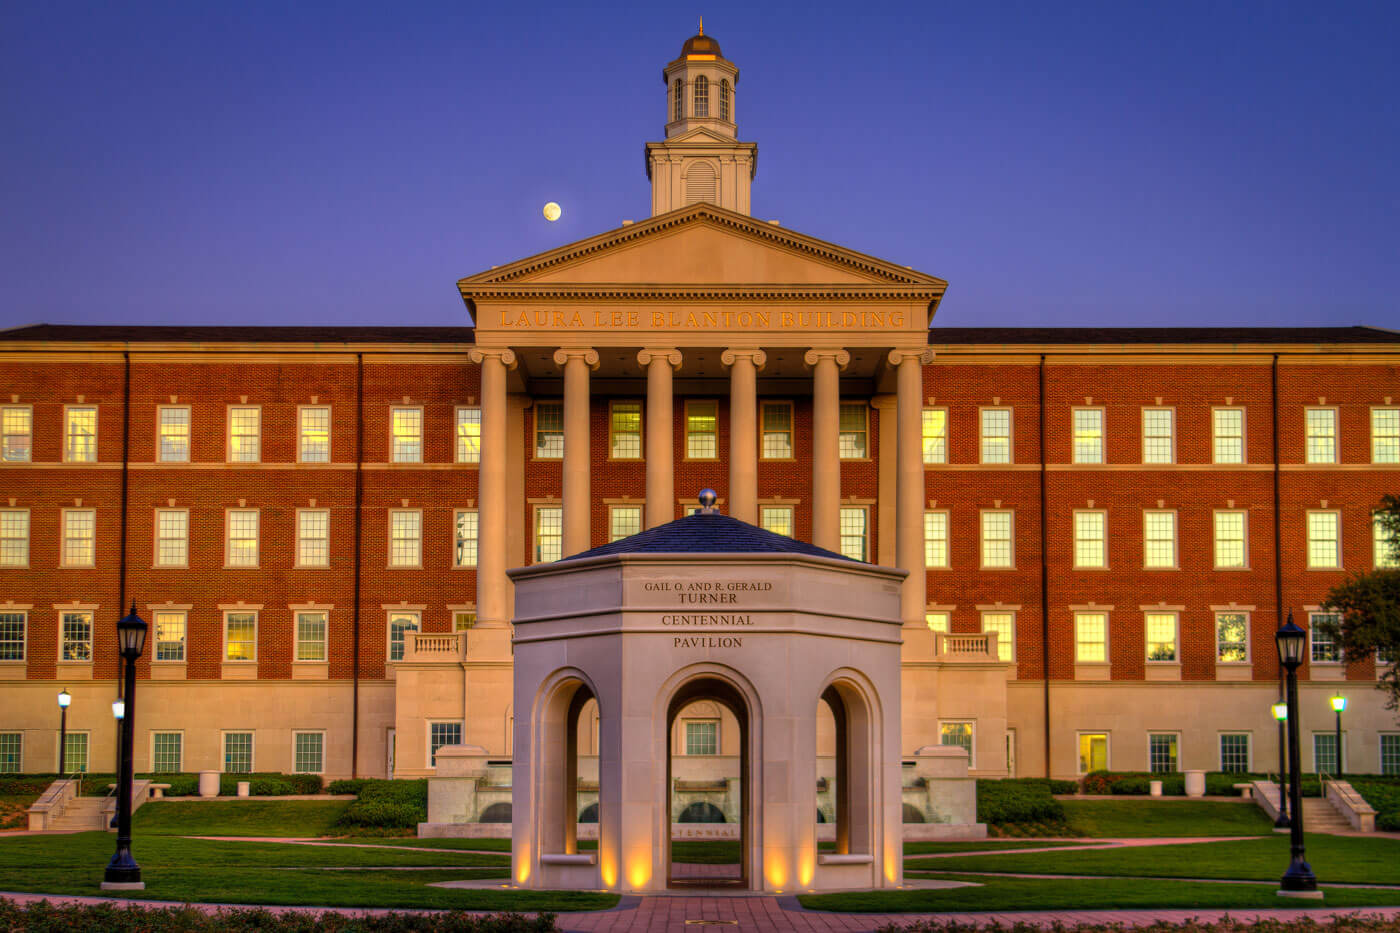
753, 354
587, 354
505, 355
669, 354
817, 354
924, 356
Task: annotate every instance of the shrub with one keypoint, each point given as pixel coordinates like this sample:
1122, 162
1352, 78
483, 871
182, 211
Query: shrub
1016, 802
270, 784
388, 805
1383, 794
347, 786
1388, 822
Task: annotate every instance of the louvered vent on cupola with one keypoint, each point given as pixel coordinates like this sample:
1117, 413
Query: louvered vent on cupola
700, 184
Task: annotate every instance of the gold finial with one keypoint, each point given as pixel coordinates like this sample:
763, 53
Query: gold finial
702, 25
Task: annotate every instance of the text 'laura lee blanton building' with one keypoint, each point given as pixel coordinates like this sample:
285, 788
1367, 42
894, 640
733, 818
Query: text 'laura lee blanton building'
1101, 527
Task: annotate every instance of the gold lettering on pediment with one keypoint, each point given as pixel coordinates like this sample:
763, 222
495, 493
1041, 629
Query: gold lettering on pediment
702, 320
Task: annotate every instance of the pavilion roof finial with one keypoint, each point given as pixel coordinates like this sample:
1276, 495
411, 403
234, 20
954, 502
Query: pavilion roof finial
702, 26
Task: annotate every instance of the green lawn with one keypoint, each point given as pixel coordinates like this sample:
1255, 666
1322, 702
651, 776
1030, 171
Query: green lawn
984, 845
1003, 894
239, 817
1142, 818
1349, 859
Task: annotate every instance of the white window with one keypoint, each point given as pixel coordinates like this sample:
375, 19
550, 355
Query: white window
400, 624
240, 636
1390, 754
776, 518
1090, 539
167, 752
1159, 539
1228, 429
1003, 624
996, 435
76, 636
1161, 752
1320, 427
997, 550
441, 734
14, 537
938, 621
702, 737
1385, 435
959, 735
1325, 649
16, 433
701, 90
678, 102
12, 753
406, 435
172, 537
173, 430
854, 541
1091, 637
463, 620
624, 521
313, 537
702, 430
308, 752
314, 440
1230, 530
854, 431
12, 635
1325, 752
1088, 435
244, 434
935, 435
1324, 540
405, 538
464, 538
238, 753
1158, 435
311, 636
79, 538
549, 430
549, 533
1234, 752
625, 430
724, 99
75, 752
936, 539
1231, 637
80, 434
468, 435
170, 636
1385, 549
1161, 628
776, 430
241, 547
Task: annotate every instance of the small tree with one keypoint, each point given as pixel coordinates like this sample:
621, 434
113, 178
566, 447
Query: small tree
1368, 607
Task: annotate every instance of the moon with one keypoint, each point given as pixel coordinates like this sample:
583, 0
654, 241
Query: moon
552, 211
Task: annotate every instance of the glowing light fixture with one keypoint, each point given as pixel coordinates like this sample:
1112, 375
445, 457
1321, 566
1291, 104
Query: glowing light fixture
1280, 711
1339, 704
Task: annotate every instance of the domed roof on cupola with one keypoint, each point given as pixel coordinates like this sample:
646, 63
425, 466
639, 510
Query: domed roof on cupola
701, 44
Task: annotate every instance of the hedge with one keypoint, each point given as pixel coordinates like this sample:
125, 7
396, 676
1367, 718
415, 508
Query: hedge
1383, 794
1016, 801
183, 784
1218, 783
387, 805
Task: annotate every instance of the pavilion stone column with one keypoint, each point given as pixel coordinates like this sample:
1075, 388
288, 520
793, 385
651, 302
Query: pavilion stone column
661, 469
492, 586
744, 364
577, 363
909, 488
826, 366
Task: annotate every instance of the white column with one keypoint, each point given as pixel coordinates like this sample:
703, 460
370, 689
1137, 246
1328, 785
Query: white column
661, 468
909, 496
492, 599
826, 445
744, 364
577, 362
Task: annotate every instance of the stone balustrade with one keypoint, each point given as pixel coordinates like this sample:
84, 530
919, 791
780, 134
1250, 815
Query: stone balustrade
450, 647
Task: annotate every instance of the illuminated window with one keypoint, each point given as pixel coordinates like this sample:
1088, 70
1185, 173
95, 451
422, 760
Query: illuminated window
777, 430
624, 521
1231, 637
1090, 544
464, 538
1090, 637
957, 734
1093, 752
701, 87
240, 636
308, 752
80, 435
854, 431
1088, 435
468, 435
12, 629
241, 548
170, 636
1230, 539
935, 435
441, 734
172, 537
1002, 623
463, 620
76, 636
79, 537
1161, 635
313, 538
997, 548
311, 636
935, 539
1158, 435
1325, 649
549, 430
400, 624
1234, 752
625, 430
173, 429
937, 622
1385, 435
167, 751
1385, 548
1159, 539
14, 537
1320, 426
549, 534
244, 434
1161, 752
1324, 540
776, 518
702, 737
11, 752
996, 435
853, 537
406, 427
724, 100
702, 430
238, 752
1228, 428
314, 440
16, 433
405, 538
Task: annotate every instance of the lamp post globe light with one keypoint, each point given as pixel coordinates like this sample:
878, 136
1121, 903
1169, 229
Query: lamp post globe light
123, 874
64, 699
1298, 880
1280, 711
1339, 706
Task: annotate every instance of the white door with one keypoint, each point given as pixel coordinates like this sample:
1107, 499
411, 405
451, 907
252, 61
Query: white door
389, 747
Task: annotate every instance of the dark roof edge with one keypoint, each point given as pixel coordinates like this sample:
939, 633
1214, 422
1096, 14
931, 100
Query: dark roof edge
235, 334
1159, 336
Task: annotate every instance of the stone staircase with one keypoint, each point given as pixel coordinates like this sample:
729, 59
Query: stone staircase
82, 814
1319, 816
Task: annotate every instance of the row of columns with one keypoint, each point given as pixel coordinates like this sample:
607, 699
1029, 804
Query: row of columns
744, 364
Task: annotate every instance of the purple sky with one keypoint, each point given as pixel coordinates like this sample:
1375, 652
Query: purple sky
1057, 163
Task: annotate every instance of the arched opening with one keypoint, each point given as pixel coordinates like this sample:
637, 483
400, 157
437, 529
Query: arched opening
702, 96
678, 101
589, 814
707, 780
496, 813
724, 100
700, 183
844, 768
567, 747
912, 814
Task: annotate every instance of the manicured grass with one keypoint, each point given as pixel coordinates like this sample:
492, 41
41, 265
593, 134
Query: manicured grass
1351, 859
1143, 818
478, 845
982, 845
238, 817
1003, 894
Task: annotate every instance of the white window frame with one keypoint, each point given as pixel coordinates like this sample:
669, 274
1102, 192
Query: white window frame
302, 433
406, 456
74, 735
535, 454
1308, 528
947, 539
462, 442
1248, 634
395, 563
864, 532
300, 732
1173, 733
1175, 616
5, 435
160, 433
763, 432
939, 453
63, 537
688, 454
938, 620
1248, 754
1381, 546
68, 435
1074, 413
1215, 538
1341, 659
457, 562
982, 539
1375, 436
156, 561
1086, 615
19, 756
971, 735
301, 564
614, 434
1380, 747
1341, 751
1146, 541
778, 507
184, 640
151, 743
223, 750
699, 721
389, 614
1216, 436
843, 409
228, 539
228, 433
1011, 628
23, 635
28, 535
257, 624
1335, 435
63, 641
1171, 414
323, 641
536, 553
1103, 541
428, 736
614, 510
983, 436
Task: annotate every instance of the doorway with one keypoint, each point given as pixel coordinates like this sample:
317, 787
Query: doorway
707, 785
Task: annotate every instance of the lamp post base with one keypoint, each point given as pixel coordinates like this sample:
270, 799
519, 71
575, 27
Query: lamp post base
141, 886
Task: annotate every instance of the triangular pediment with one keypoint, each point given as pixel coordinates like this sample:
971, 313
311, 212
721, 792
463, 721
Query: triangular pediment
702, 245
700, 134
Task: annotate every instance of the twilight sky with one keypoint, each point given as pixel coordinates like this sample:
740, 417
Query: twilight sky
1059, 163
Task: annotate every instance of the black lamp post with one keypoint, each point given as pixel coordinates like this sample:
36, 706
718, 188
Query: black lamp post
64, 699
1339, 705
123, 874
1280, 711
1299, 880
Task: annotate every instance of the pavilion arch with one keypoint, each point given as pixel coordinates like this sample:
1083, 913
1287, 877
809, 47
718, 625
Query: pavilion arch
559, 703
856, 709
